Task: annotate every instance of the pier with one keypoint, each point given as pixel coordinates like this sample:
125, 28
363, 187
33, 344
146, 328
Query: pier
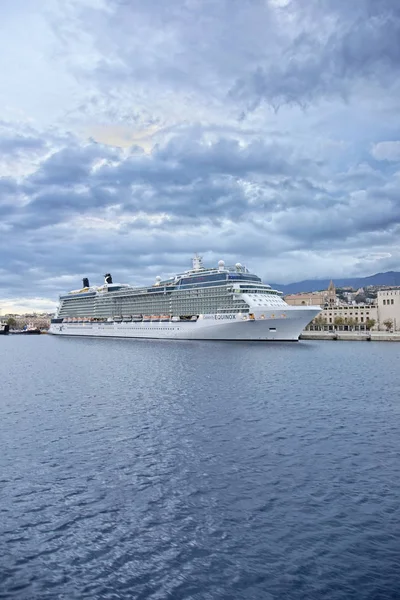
353, 336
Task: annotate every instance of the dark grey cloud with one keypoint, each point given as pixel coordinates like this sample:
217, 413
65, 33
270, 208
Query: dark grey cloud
13, 145
187, 179
71, 164
65, 227
8, 186
240, 53
362, 44
176, 147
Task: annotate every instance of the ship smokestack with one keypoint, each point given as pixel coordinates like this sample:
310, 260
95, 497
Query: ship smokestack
107, 278
85, 282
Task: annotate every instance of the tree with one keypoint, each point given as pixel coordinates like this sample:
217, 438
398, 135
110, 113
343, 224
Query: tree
351, 322
11, 322
338, 322
388, 324
320, 321
369, 324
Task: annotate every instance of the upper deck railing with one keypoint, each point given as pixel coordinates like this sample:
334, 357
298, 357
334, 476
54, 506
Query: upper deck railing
213, 270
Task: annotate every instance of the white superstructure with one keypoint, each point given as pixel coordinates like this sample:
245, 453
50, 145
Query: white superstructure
223, 303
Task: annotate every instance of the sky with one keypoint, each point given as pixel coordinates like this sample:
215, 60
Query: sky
134, 134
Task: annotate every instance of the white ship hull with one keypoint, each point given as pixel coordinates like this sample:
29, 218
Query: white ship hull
286, 327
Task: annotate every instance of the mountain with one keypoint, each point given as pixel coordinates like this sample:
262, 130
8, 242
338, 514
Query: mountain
315, 285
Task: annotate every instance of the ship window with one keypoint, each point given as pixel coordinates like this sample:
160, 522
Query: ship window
203, 278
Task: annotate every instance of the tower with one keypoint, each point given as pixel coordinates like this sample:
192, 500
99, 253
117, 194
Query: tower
331, 294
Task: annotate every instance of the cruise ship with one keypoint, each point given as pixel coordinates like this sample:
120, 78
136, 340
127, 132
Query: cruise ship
220, 303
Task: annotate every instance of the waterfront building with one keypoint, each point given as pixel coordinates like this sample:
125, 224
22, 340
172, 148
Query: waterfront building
323, 298
389, 308
35, 320
354, 315
384, 310
307, 299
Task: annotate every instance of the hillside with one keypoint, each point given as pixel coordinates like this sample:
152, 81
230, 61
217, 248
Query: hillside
314, 285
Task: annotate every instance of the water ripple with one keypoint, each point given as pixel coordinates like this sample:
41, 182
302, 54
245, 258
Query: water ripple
199, 471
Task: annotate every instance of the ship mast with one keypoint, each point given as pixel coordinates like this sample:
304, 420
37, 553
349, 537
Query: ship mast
197, 262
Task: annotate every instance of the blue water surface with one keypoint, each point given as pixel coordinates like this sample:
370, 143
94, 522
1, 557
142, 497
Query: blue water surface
199, 470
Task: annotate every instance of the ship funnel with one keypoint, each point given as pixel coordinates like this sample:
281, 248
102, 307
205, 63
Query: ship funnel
85, 282
107, 278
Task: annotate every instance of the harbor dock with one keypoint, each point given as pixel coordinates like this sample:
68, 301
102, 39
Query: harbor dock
353, 336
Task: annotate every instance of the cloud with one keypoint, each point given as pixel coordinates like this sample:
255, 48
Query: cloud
389, 151
328, 53
136, 133
27, 305
12, 146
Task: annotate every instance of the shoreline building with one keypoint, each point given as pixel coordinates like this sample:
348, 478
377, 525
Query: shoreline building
389, 307
323, 298
354, 315
384, 310
35, 320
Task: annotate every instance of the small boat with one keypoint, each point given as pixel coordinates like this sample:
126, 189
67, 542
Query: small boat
27, 331
4, 329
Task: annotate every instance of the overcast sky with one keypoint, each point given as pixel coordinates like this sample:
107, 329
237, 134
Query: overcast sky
134, 133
